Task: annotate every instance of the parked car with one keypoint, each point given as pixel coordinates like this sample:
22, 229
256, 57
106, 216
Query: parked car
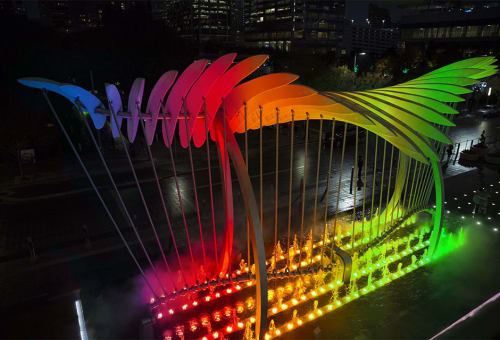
488, 111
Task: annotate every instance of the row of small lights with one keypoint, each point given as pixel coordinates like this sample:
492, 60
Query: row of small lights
249, 283
207, 298
284, 306
321, 311
311, 316
330, 307
322, 290
193, 324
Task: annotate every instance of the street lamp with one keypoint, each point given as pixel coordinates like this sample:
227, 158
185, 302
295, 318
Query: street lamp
355, 55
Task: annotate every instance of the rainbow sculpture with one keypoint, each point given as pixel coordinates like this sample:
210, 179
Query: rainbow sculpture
207, 98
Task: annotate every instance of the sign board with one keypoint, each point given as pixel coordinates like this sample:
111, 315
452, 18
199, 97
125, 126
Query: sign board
27, 156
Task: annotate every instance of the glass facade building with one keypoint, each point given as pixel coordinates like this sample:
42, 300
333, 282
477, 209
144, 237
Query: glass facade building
472, 27
313, 25
202, 20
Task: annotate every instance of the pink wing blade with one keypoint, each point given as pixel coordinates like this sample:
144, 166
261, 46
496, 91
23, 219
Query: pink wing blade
176, 96
222, 88
115, 103
194, 99
154, 102
134, 106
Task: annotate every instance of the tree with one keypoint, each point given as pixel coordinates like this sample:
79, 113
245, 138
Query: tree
341, 78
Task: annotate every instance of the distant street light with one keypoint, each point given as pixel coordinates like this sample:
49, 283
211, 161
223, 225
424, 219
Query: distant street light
355, 68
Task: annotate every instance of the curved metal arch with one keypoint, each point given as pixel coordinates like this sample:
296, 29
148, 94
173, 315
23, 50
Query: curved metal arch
252, 211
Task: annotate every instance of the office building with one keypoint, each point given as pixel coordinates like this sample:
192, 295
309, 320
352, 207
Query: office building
470, 26
315, 26
201, 20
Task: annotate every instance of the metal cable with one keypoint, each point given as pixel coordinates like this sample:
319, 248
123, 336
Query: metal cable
163, 204
142, 199
425, 184
407, 180
419, 184
195, 189
417, 164
92, 183
179, 197
413, 192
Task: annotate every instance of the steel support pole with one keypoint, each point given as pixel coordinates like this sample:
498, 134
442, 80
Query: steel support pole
353, 235
338, 188
395, 186
261, 200
381, 188
327, 191
364, 188
304, 179
317, 179
373, 185
276, 178
388, 187
290, 189
246, 164
212, 212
